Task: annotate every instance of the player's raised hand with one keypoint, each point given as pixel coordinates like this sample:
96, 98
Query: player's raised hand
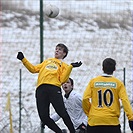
76, 64
20, 55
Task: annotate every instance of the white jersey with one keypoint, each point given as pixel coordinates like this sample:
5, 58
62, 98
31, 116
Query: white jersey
73, 105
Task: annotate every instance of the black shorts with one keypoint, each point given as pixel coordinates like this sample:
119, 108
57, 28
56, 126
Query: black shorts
103, 129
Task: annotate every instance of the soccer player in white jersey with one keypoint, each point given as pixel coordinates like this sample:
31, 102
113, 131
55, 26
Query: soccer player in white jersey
73, 104
101, 101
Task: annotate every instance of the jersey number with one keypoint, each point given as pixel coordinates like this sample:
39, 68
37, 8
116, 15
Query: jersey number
103, 98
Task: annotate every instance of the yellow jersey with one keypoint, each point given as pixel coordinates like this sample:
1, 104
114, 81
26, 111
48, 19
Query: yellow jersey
51, 71
101, 101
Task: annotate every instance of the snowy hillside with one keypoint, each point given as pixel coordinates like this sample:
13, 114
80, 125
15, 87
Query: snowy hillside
92, 30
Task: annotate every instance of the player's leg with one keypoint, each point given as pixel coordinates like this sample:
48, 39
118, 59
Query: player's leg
42, 101
64, 131
114, 129
81, 131
92, 129
58, 104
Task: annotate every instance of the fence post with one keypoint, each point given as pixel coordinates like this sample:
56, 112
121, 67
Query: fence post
20, 101
41, 31
41, 42
124, 74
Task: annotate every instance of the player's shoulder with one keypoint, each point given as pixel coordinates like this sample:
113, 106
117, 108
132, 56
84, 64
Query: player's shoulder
116, 79
64, 64
75, 94
101, 76
48, 59
95, 78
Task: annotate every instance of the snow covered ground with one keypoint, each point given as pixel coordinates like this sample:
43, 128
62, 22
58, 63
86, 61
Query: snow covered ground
92, 30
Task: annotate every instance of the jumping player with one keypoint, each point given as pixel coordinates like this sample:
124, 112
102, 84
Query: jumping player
53, 72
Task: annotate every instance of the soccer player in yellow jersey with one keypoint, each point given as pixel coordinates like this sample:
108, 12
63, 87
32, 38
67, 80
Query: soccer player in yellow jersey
53, 72
101, 101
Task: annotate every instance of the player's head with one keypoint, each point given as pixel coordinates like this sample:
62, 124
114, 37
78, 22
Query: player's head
61, 51
109, 65
68, 86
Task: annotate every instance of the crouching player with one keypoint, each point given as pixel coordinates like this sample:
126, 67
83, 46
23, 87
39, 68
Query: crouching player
73, 104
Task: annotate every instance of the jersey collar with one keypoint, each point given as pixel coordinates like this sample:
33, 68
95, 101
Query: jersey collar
107, 75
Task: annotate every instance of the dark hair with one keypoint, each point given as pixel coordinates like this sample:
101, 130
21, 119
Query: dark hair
72, 82
65, 49
109, 65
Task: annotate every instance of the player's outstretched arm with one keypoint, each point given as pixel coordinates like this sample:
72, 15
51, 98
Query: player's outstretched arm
76, 64
20, 55
27, 64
